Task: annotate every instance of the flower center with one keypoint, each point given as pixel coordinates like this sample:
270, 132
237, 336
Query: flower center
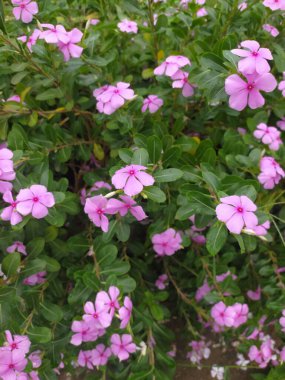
13, 346
22, 6
250, 86
131, 172
240, 209
116, 91
255, 54
95, 315
11, 366
13, 204
112, 304
35, 199
99, 211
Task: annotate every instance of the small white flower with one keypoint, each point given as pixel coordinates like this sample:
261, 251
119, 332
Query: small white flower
217, 372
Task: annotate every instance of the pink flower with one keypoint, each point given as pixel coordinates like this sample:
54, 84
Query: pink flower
223, 315
96, 208
281, 124
94, 21
254, 295
35, 358
132, 179
200, 350
113, 97
171, 65
237, 212
10, 213
24, 10
85, 331
242, 6
17, 246
128, 26
100, 355
268, 135
97, 314
202, 12
255, 58
11, 362
271, 29
243, 93
99, 185
281, 87
6, 169
262, 229
14, 98
282, 321
32, 40
122, 346
241, 314
166, 243
203, 291
274, 4
17, 342
152, 103
108, 301
36, 200
99, 91
161, 281
180, 80
69, 49
85, 359
125, 312
271, 173
35, 279
54, 34
263, 355
127, 204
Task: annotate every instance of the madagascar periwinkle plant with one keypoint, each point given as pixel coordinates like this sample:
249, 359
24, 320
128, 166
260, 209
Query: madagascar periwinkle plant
142, 194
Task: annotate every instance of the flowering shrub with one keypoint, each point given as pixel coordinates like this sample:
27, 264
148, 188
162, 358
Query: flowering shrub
141, 179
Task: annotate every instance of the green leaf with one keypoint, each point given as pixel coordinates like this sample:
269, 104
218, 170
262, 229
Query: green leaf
35, 247
2, 18
106, 255
52, 93
167, 175
51, 312
119, 267
154, 193
154, 148
240, 242
140, 157
91, 281
52, 265
126, 155
184, 212
40, 334
11, 263
127, 284
216, 238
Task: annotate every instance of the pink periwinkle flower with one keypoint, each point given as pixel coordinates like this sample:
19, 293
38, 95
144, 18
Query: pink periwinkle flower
132, 179
17, 246
96, 208
31, 40
85, 331
202, 291
161, 282
184, 3
125, 312
271, 29
200, 350
171, 65
167, 242
54, 34
14, 98
223, 315
70, 49
125, 205
202, 12
152, 103
113, 98
271, 173
254, 58
122, 346
263, 355
248, 93
7, 173
128, 26
268, 135
254, 295
100, 185
241, 314
35, 279
100, 355
275, 4
262, 229
108, 301
237, 212
281, 87
180, 80
24, 10
200, 2
17, 342
281, 124
36, 201
36, 359
11, 363
85, 359
97, 315
10, 213
282, 321
99, 91
242, 6
94, 21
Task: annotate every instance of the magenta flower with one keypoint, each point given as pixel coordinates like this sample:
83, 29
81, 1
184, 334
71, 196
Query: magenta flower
132, 179
85, 359
100, 355
271, 173
108, 301
84, 332
202, 12
271, 29
161, 282
25, 10
180, 80
36, 200
32, 40
17, 342
114, 97
6, 169
12, 362
274, 4
166, 243
223, 315
128, 26
255, 58
127, 204
243, 93
268, 135
263, 355
125, 312
10, 213
237, 212
241, 314
152, 103
35, 279
96, 208
171, 65
254, 295
97, 315
69, 49
122, 346
17, 246
14, 98
54, 34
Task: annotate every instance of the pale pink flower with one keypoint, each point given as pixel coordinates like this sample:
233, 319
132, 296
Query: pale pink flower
114, 97
17, 342
237, 212
127, 204
31, 40
274, 4
271, 29
108, 301
200, 2
254, 295
122, 346
217, 372
12, 362
36, 200
161, 282
96, 208
200, 351
281, 87
85, 359
17, 246
125, 312
282, 354
281, 124
99, 185
202, 12
152, 103
128, 26
54, 34
70, 49
14, 98
167, 242
180, 80
10, 213
202, 291
98, 91
100, 355
36, 359
267, 134
132, 179
271, 173
25, 10
7, 173
254, 58
282, 321
35, 279
171, 65
97, 314
248, 93
242, 6
263, 355
94, 21
262, 229
184, 3
223, 315
241, 314
84, 332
